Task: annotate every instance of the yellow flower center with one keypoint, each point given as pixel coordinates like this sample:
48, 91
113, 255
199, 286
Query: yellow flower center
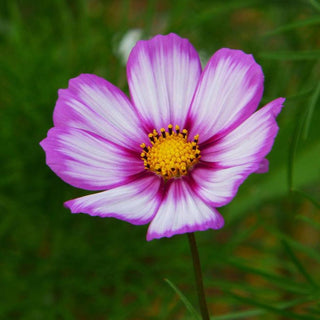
171, 155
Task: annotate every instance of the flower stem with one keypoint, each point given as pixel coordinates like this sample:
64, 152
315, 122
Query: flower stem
198, 276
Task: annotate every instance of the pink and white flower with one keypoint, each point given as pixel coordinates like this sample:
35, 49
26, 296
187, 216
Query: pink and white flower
139, 151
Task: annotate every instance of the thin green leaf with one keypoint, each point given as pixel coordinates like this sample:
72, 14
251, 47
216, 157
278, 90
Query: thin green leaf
292, 151
238, 238
291, 55
291, 26
185, 301
315, 4
240, 315
309, 197
15, 34
312, 253
256, 312
274, 309
301, 130
314, 310
281, 282
241, 286
309, 221
218, 9
301, 94
310, 110
298, 264
149, 16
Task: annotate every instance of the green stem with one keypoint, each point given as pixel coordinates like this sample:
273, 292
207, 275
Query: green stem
198, 276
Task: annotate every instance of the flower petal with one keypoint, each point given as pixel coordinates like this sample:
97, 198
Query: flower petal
135, 202
229, 91
162, 74
93, 104
263, 166
217, 187
88, 161
182, 211
229, 161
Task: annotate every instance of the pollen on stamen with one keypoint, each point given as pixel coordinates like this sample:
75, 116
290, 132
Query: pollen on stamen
184, 133
170, 155
151, 137
144, 147
163, 132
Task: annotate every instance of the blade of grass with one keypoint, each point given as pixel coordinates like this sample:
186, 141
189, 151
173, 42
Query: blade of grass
315, 4
274, 309
292, 151
315, 310
291, 55
184, 300
312, 253
310, 110
240, 315
257, 312
301, 94
149, 16
301, 130
218, 9
309, 221
238, 238
298, 264
308, 197
291, 26
279, 281
15, 36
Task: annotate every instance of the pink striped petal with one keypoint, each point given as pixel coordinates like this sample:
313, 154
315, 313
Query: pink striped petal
217, 187
249, 142
88, 161
135, 202
182, 211
93, 104
162, 74
229, 91
229, 161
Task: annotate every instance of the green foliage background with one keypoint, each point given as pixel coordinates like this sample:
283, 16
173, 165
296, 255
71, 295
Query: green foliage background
264, 264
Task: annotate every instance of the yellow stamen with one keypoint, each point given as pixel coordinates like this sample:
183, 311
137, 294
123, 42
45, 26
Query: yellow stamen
171, 155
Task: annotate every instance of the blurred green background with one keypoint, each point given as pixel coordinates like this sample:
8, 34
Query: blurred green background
265, 262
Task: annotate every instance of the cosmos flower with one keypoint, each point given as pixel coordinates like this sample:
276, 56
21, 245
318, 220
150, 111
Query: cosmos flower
176, 150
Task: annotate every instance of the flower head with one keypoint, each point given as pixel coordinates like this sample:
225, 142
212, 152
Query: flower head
174, 152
